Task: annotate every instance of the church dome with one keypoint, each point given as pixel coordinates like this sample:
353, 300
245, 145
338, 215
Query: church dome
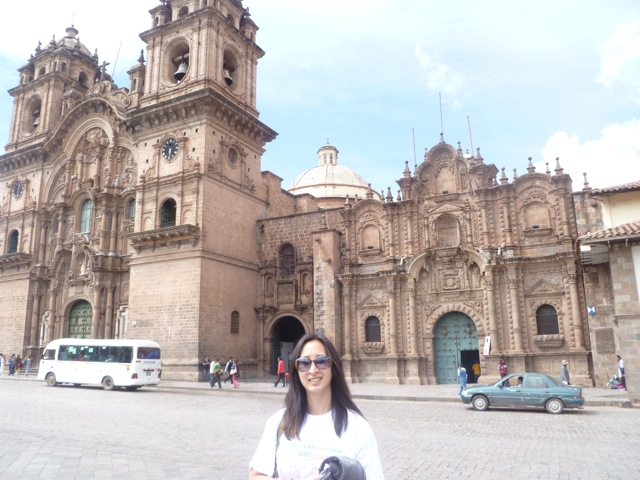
329, 180
71, 41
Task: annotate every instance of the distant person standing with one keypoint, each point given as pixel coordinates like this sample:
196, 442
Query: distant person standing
502, 368
27, 365
476, 371
623, 381
462, 378
206, 365
281, 372
564, 373
1, 364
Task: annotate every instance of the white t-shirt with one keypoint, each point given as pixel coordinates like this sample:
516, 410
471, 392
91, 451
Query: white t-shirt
299, 458
620, 367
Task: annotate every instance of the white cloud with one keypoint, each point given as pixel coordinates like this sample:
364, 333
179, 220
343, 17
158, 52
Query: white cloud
612, 159
438, 75
620, 59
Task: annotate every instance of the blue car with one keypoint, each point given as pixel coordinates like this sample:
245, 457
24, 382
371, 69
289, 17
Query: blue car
525, 390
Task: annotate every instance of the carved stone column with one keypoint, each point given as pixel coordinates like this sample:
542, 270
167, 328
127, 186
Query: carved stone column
35, 314
95, 314
515, 309
40, 257
108, 315
61, 224
413, 322
491, 307
51, 321
346, 312
113, 240
576, 311
393, 334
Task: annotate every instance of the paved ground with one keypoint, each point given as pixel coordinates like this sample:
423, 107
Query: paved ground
186, 431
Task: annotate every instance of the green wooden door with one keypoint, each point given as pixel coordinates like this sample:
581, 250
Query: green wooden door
80, 320
453, 333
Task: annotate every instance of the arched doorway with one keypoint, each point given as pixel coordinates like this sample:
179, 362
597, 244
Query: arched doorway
80, 320
455, 340
284, 337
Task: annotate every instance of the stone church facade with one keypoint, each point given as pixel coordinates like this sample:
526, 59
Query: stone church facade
142, 212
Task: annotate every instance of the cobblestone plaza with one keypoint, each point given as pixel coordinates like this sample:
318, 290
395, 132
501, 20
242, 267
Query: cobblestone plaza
193, 433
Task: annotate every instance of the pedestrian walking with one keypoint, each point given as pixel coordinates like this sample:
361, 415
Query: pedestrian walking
227, 369
12, 364
623, 380
18, 364
564, 373
234, 375
1, 364
215, 371
502, 368
462, 378
27, 364
320, 420
281, 372
206, 365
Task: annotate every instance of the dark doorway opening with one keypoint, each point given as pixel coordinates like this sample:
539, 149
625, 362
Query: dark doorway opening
469, 358
287, 331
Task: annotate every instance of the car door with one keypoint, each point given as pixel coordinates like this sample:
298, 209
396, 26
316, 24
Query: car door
535, 391
509, 394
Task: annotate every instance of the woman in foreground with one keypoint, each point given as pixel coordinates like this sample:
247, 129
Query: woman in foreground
319, 420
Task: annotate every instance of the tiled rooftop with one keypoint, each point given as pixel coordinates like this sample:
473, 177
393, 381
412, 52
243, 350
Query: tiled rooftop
626, 230
626, 187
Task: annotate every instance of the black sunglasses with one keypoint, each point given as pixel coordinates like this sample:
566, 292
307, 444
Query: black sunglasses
322, 362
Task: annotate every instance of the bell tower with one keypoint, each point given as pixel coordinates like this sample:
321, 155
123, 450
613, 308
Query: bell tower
53, 78
195, 44
199, 142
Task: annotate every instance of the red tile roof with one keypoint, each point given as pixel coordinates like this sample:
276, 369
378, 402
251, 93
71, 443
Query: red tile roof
620, 232
626, 187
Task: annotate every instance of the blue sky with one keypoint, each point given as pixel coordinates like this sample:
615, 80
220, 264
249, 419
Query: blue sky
540, 79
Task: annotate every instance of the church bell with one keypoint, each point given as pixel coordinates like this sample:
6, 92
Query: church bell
36, 122
181, 72
227, 77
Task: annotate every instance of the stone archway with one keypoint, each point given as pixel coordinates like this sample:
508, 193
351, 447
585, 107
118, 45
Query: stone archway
285, 333
455, 340
80, 320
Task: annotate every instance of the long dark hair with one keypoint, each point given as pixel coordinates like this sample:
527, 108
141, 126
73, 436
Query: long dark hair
296, 399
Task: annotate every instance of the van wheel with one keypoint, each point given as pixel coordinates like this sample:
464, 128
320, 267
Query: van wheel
51, 380
107, 384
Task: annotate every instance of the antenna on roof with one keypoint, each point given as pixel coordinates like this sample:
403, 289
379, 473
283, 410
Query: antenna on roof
470, 139
113, 72
415, 161
441, 122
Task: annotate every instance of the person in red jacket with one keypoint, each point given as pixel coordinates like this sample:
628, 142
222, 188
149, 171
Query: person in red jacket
281, 372
502, 368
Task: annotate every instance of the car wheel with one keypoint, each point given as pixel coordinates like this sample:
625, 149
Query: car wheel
51, 380
555, 405
107, 383
480, 403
